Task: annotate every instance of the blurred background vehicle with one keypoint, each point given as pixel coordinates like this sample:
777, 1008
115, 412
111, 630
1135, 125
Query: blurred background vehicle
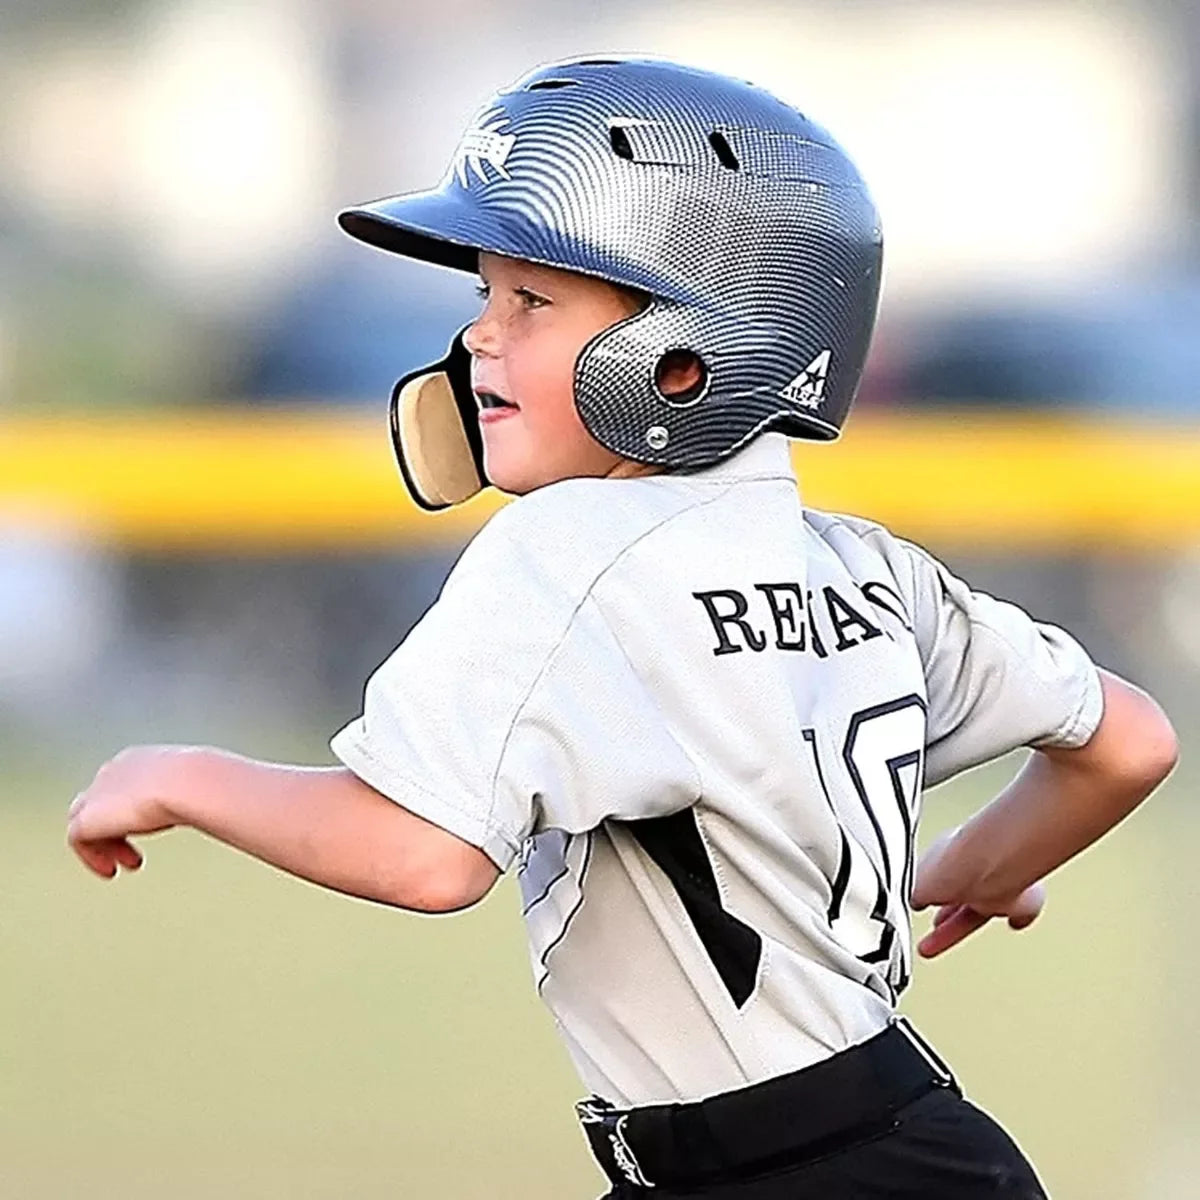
202, 538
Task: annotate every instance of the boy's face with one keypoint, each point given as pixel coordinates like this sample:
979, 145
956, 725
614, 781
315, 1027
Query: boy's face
524, 345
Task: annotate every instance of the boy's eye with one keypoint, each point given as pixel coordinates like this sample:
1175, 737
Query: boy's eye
528, 298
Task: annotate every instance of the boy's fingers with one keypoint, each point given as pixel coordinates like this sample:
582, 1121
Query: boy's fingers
951, 931
946, 911
102, 855
127, 854
1022, 920
1028, 907
94, 856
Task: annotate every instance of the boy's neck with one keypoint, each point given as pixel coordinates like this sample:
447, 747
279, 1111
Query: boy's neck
626, 468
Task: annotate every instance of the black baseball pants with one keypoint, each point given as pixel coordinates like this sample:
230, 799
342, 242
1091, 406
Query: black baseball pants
941, 1148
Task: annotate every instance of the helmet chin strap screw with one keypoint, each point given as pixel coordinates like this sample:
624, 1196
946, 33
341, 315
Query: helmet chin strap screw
657, 437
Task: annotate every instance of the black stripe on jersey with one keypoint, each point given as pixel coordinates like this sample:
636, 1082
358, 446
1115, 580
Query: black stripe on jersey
678, 850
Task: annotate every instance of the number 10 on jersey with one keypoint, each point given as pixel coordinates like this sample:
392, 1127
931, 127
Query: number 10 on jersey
876, 788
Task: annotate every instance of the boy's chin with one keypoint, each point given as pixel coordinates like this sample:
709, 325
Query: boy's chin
521, 473
515, 478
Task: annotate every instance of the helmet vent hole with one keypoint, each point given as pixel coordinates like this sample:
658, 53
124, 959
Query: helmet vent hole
723, 150
546, 85
681, 378
598, 62
620, 143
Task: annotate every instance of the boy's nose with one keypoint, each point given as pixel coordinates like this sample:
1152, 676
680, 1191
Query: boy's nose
480, 337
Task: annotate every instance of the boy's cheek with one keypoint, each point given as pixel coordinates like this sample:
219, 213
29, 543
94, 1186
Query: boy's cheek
534, 448
507, 459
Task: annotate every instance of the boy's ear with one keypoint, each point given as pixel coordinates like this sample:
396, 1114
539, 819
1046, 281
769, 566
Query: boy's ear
435, 432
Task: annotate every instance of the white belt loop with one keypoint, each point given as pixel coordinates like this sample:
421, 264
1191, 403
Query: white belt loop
924, 1049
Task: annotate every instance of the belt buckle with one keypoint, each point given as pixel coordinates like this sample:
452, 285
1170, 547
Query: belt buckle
943, 1073
612, 1123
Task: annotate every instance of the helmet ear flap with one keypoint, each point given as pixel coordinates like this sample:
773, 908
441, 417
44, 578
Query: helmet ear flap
435, 431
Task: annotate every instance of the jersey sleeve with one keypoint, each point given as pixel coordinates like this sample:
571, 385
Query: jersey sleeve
996, 678
510, 706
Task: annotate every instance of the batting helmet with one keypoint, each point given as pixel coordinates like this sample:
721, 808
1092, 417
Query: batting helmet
745, 223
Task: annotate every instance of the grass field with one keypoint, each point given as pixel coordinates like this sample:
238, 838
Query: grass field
214, 1029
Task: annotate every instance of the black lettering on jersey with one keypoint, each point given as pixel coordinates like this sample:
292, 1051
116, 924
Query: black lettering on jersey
785, 601
675, 845
844, 617
883, 596
793, 617
725, 644
818, 645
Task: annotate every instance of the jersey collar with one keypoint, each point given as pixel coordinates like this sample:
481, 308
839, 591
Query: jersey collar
769, 456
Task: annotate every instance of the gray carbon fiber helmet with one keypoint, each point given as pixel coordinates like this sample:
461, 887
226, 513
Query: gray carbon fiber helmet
746, 224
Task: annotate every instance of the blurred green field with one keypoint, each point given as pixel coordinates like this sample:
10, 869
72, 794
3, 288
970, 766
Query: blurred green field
214, 1029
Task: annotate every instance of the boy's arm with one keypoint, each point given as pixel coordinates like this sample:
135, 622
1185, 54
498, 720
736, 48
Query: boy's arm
320, 823
1060, 803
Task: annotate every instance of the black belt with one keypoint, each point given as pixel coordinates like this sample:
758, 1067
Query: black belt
783, 1121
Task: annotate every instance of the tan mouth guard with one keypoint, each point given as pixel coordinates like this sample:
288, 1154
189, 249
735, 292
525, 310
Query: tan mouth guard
435, 432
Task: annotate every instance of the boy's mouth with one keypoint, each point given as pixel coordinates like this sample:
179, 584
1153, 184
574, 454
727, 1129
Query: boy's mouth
492, 405
491, 400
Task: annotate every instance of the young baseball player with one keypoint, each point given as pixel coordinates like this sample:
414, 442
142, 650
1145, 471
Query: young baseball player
695, 717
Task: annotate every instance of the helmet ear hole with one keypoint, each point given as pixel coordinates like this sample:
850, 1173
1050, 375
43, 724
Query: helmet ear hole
681, 377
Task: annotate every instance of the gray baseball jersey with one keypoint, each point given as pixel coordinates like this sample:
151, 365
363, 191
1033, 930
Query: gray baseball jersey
698, 717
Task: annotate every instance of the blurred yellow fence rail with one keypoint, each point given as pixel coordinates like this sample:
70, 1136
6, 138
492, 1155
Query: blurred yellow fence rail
304, 479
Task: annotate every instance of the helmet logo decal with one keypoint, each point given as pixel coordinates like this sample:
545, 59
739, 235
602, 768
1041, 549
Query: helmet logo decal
484, 144
807, 390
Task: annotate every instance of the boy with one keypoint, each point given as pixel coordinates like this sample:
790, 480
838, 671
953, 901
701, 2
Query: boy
696, 716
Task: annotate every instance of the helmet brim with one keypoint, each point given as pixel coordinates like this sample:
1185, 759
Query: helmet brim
426, 226
440, 228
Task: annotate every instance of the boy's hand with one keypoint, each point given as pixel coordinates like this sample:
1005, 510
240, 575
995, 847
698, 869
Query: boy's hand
958, 919
127, 796
954, 922
1061, 801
